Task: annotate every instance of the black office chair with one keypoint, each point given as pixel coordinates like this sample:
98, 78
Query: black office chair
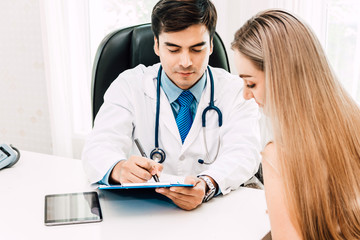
126, 48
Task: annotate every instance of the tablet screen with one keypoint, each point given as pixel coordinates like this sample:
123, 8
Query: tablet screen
72, 208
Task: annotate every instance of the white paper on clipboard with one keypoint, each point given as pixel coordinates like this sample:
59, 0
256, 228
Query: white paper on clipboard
166, 180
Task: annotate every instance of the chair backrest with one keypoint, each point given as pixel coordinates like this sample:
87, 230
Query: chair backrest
126, 48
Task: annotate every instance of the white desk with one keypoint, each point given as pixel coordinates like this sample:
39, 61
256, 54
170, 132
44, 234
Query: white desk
239, 215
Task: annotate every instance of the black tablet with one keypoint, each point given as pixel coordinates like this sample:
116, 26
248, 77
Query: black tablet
71, 208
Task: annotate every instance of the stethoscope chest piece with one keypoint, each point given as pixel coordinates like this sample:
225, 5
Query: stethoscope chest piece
158, 155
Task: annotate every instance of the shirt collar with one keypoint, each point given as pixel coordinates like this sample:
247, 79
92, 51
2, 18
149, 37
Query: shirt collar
173, 92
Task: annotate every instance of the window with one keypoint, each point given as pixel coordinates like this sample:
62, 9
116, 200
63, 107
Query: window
72, 31
107, 16
343, 43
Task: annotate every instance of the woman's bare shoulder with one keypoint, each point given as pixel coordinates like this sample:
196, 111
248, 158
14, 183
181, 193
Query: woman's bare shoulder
269, 149
269, 156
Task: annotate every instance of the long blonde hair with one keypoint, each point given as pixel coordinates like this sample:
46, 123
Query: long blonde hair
316, 125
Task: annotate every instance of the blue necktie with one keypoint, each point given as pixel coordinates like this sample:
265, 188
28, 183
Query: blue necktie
184, 118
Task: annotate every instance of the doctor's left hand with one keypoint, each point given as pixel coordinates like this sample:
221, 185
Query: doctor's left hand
187, 198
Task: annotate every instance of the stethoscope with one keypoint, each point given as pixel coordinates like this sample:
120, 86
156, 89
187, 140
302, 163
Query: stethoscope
158, 154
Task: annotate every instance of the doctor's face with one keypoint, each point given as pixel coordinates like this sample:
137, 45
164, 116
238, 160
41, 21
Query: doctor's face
254, 79
184, 55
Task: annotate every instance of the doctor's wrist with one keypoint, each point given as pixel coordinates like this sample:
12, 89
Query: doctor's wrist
211, 187
212, 181
115, 173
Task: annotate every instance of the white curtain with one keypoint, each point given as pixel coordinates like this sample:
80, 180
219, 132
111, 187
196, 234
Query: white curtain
68, 69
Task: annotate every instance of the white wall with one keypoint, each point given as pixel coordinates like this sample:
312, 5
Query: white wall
231, 16
24, 119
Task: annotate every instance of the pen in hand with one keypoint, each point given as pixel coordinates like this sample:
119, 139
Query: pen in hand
137, 142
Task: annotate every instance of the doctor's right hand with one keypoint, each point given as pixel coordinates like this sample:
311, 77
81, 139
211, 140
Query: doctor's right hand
135, 170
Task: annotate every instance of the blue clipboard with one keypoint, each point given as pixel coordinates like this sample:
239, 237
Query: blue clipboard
144, 185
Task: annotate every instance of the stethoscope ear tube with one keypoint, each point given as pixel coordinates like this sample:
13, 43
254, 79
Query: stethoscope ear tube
208, 108
201, 161
211, 104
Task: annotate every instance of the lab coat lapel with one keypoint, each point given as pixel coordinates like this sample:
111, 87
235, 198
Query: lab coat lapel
167, 118
150, 90
150, 82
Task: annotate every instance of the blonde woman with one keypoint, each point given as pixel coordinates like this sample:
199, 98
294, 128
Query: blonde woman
312, 168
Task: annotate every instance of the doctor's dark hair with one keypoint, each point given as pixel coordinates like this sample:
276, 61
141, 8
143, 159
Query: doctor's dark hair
177, 15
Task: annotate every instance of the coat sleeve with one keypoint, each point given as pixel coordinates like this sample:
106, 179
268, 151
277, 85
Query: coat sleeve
239, 155
110, 140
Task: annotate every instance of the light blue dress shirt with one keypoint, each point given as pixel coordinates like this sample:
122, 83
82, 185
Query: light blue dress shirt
172, 92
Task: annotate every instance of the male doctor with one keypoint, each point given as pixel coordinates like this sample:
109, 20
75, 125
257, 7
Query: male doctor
217, 162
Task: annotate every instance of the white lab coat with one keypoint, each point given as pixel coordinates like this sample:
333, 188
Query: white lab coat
129, 111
